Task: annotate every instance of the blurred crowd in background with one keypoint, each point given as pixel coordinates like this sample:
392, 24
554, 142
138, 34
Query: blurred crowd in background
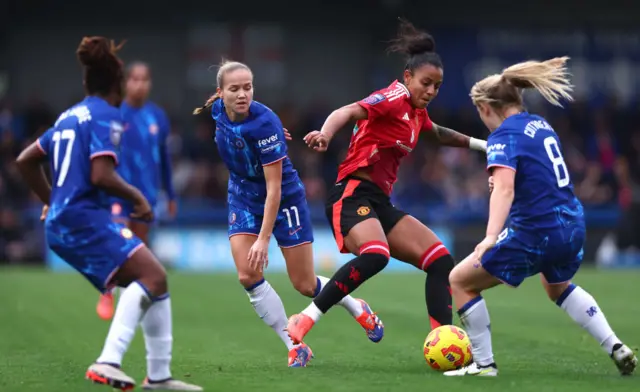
309, 61
601, 148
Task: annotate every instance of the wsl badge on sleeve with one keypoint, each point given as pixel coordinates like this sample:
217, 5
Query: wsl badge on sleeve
374, 99
115, 133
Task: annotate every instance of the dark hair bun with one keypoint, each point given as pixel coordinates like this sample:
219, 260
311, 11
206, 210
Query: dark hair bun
96, 52
412, 41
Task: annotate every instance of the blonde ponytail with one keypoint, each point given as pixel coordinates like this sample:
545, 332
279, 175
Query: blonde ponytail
550, 78
207, 104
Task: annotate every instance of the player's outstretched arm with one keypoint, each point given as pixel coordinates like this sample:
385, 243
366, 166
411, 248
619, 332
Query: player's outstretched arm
319, 140
451, 138
29, 163
341, 117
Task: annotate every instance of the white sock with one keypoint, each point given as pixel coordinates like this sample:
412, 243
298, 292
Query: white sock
268, 305
584, 310
132, 306
475, 319
158, 338
313, 312
352, 305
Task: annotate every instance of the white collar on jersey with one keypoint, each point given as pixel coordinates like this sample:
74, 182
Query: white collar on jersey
403, 87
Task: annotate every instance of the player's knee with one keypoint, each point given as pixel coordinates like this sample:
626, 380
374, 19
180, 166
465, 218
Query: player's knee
376, 255
248, 279
306, 287
377, 261
156, 281
555, 291
443, 266
456, 277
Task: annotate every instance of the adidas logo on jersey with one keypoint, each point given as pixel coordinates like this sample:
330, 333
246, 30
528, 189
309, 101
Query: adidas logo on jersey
406, 116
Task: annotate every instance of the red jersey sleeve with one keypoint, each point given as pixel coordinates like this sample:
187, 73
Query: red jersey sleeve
376, 105
427, 126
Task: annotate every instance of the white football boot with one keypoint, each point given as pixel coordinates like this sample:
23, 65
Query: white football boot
105, 374
474, 370
170, 385
624, 358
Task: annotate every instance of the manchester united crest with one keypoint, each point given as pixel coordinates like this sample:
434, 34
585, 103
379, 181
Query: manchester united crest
363, 210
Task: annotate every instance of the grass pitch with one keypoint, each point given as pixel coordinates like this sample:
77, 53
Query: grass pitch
49, 334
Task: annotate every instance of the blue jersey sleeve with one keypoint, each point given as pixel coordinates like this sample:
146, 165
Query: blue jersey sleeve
165, 160
501, 150
106, 133
44, 141
268, 141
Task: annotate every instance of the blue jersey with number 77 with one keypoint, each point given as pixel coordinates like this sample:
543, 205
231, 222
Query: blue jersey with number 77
544, 197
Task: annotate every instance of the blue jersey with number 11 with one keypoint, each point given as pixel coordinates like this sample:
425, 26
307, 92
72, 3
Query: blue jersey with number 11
544, 197
246, 147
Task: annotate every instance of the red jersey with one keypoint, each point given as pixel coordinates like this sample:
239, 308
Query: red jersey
388, 134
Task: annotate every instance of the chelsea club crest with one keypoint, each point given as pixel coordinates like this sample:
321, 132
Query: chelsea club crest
115, 133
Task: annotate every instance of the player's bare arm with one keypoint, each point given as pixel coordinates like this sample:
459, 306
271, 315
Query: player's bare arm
319, 140
30, 165
104, 176
273, 177
499, 207
449, 137
501, 199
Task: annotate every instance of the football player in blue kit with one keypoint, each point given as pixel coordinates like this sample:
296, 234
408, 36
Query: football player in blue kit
144, 159
546, 230
265, 198
82, 151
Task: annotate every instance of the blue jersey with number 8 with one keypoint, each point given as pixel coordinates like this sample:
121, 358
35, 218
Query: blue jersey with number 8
544, 196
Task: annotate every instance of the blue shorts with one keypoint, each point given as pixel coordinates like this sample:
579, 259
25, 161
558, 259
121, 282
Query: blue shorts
292, 227
121, 212
92, 243
556, 254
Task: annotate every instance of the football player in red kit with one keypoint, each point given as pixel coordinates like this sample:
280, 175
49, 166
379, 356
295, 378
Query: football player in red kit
363, 220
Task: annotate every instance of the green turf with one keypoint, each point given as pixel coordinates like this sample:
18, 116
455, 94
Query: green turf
49, 334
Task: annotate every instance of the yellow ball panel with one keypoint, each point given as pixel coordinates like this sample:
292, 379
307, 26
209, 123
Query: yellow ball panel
447, 348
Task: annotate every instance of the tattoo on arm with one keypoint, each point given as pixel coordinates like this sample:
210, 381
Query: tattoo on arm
449, 137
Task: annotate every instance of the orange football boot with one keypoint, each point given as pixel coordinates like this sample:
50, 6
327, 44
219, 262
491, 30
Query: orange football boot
105, 306
299, 326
